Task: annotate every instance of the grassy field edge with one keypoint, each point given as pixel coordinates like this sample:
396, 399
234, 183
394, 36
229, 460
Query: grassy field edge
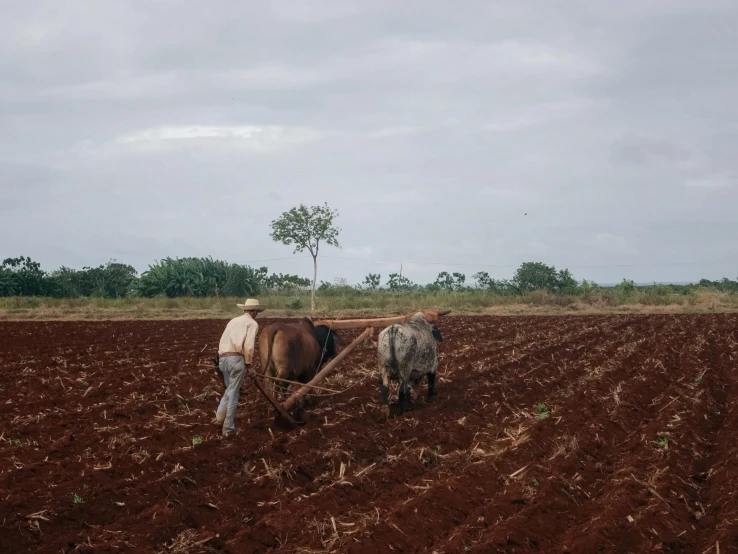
346, 306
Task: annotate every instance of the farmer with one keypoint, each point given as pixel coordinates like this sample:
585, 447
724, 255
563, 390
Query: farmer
235, 352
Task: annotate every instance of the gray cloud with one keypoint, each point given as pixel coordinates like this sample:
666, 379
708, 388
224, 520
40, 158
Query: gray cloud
146, 129
642, 150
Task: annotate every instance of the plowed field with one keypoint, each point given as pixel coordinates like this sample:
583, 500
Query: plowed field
559, 434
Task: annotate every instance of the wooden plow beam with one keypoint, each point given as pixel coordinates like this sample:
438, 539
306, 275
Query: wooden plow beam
329, 369
339, 324
273, 401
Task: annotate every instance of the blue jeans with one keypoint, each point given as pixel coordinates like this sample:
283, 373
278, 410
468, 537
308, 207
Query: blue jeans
233, 369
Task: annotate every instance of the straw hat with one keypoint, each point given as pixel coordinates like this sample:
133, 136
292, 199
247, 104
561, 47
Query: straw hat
251, 304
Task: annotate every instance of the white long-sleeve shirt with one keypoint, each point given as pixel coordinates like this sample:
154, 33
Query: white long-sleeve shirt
239, 336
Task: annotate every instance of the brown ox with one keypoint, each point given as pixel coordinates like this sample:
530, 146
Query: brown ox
295, 351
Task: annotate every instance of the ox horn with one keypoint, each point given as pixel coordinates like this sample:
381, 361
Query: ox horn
433, 316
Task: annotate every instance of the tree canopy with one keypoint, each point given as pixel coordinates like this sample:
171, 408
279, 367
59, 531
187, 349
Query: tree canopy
306, 227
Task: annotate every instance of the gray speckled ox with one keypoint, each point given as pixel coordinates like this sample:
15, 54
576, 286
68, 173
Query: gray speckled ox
406, 352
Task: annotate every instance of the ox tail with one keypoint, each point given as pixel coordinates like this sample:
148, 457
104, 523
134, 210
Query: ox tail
271, 333
394, 364
270, 384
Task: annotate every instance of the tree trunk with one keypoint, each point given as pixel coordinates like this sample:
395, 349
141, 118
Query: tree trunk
315, 277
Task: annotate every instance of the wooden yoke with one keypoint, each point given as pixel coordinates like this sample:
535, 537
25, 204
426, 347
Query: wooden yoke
339, 324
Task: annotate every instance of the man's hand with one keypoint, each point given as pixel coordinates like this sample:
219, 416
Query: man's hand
249, 371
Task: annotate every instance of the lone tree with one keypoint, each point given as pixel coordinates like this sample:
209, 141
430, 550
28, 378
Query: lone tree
372, 281
306, 228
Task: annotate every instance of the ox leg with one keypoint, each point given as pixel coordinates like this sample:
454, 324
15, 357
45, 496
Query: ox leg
384, 393
273, 387
406, 399
270, 384
280, 387
431, 387
276, 388
269, 387
415, 388
276, 391
304, 379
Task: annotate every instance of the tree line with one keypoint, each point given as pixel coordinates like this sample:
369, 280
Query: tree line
170, 277
303, 228
529, 276
206, 277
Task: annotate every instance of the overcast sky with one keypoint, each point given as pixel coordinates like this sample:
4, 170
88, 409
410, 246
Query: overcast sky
143, 129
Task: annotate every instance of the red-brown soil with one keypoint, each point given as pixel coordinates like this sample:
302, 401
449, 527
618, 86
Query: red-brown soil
638, 451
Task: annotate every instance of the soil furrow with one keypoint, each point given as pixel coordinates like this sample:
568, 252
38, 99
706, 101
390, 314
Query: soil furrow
638, 424
505, 497
602, 464
439, 469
